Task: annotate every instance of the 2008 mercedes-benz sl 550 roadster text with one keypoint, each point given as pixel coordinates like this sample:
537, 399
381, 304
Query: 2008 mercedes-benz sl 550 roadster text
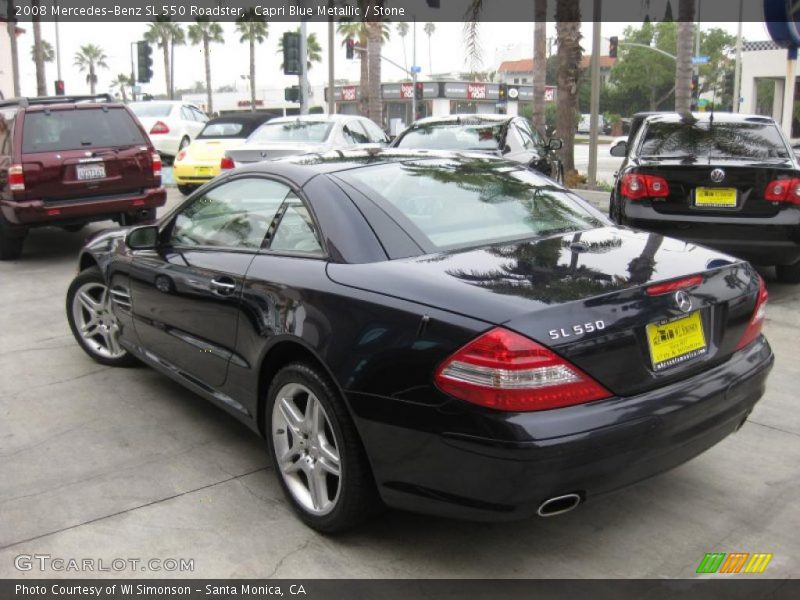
445, 333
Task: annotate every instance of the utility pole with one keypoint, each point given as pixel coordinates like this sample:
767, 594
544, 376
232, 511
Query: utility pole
594, 121
696, 69
303, 69
737, 74
58, 46
331, 80
414, 70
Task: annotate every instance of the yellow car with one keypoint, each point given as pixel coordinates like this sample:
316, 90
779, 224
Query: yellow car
200, 161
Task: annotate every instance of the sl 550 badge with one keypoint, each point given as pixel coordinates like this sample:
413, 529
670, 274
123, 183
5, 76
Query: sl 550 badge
576, 330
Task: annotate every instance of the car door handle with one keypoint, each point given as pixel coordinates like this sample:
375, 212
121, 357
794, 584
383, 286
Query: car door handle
223, 286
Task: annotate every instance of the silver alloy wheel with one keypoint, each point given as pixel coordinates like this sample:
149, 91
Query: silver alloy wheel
96, 324
306, 449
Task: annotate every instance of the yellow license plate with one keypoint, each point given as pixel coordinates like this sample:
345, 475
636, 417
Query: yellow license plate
202, 170
676, 341
722, 197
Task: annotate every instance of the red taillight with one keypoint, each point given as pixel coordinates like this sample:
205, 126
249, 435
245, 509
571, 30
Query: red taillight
783, 190
16, 178
156, 159
226, 163
757, 319
159, 127
506, 371
673, 286
636, 186
181, 156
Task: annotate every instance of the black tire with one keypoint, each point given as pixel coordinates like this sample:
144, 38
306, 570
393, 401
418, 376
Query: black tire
357, 497
73, 228
92, 277
788, 273
144, 216
11, 241
186, 189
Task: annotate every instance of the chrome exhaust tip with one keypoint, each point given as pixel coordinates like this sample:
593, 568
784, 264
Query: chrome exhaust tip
558, 505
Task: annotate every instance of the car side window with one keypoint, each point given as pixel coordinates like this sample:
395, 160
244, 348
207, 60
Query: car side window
375, 133
237, 214
186, 114
198, 115
354, 133
296, 232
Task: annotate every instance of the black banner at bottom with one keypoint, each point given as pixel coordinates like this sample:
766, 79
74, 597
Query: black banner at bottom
390, 589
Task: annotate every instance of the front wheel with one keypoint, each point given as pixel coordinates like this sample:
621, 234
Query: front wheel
92, 322
316, 451
788, 273
11, 241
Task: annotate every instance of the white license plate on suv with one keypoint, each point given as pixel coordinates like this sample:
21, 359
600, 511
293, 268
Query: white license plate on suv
94, 171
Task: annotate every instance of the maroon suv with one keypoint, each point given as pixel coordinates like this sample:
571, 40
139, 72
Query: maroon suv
68, 161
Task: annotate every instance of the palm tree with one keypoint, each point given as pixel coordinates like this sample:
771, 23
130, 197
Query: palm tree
429, 29
357, 30
402, 31
165, 35
683, 67
253, 29
472, 41
178, 38
313, 49
47, 55
568, 32
122, 82
374, 43
38, 57
11, 28
90, 58
206, 31
539, 62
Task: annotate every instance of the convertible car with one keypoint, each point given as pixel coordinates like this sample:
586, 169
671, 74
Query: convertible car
446, 333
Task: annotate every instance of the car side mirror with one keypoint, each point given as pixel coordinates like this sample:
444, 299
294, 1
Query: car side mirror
620, 149
555, 144
142, 238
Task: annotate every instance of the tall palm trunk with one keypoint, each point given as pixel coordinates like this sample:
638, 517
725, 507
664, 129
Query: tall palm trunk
683, 68
374, 41
252, 75
364, 85
167, 78
11, 27
539, 62
430, 57
124, 94
568, 30
92, 78
41, 83
209, 102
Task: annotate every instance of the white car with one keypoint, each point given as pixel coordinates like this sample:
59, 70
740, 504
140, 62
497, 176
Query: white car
171, 125
285, 136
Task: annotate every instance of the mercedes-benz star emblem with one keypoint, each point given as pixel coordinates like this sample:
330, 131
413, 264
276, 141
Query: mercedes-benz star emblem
717, 175
683, 301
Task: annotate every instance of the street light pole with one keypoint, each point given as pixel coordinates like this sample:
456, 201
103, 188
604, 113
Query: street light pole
414, 71
331, 80
303, 69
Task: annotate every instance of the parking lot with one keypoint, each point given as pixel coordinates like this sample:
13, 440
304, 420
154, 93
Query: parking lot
123, 463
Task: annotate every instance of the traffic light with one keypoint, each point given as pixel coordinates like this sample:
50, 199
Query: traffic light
613, 46
291, 53
292, 94
351, 46
419, 90
695, 84
59, 87
502, 92
144, 61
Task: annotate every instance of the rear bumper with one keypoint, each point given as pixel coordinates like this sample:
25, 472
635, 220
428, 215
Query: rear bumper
166, 144
37, 212
764, 241
529, 457
186, 173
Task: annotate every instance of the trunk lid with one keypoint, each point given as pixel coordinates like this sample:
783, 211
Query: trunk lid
584, 295
748, 178
84, 152
250, 153
210, 150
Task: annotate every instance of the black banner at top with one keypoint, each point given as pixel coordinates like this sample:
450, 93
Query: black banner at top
89, 11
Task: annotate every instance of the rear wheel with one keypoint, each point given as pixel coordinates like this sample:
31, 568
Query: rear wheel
73, 228
92, 322
186, 189
788, 273
11, 241
184, 142
316, 451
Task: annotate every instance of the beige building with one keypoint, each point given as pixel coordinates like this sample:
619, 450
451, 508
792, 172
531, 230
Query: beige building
520, 72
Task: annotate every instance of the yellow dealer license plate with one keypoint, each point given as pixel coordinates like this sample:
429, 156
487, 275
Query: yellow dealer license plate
202, 170
676, 341
715, 197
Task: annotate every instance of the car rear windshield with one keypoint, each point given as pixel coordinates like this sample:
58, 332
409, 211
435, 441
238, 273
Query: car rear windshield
476, 135
79, 128
152, 109
717, 140
466, 203
222, 130
292, 131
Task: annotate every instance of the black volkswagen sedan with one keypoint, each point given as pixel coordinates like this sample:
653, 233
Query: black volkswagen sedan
511, 137
450, 334
727, 181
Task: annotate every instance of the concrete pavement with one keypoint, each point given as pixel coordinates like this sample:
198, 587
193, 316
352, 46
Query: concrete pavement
123, 463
